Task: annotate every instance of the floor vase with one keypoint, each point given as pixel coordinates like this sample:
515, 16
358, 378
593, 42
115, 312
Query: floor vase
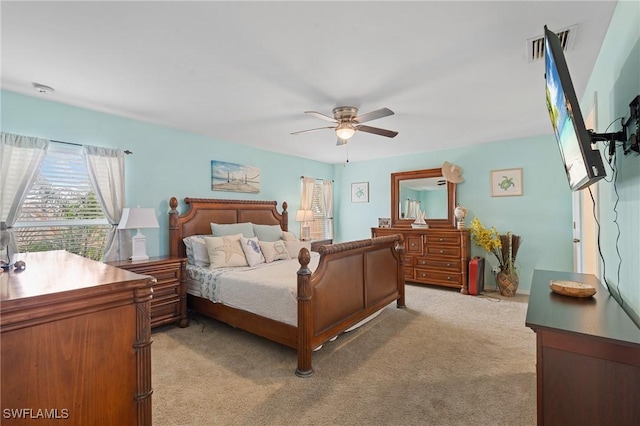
507, 283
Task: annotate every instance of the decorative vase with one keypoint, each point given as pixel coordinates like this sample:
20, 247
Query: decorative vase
507, 283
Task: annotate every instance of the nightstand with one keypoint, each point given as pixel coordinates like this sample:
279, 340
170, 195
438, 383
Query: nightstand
315, 245
169, 301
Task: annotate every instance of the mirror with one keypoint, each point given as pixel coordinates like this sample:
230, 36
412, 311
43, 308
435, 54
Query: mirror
426, 191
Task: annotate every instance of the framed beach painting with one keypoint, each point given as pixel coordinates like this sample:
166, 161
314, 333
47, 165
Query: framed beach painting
506, 183
234, 177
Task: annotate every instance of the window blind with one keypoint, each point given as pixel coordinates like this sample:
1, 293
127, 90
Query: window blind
321, 226
61, 210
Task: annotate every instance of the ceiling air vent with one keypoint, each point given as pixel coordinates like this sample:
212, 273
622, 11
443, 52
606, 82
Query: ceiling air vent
535, 46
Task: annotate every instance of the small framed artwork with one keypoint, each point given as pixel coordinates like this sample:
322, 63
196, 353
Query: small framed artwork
506, 183
384, 222
360, 192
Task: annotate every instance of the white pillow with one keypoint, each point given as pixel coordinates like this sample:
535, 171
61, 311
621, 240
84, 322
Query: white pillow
289, 236
200, 253
274, 250
196, 250
293, 247
225, 251
252, 251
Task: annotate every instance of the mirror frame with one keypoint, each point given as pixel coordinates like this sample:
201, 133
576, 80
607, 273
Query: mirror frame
396, 221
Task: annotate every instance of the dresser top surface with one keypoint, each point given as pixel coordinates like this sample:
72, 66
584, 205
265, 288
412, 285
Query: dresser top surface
58, 271
598, 316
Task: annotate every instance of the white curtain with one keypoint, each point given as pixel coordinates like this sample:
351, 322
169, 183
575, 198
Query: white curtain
413, 208
106, 172
20, 157
327, 195
308, 185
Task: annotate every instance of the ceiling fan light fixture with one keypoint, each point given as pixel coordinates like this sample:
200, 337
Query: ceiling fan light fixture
345, 131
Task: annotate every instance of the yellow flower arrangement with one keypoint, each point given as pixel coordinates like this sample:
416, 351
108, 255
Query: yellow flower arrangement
503, 247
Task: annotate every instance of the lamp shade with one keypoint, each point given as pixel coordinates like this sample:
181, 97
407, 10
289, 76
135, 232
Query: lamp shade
136, 218
304, 215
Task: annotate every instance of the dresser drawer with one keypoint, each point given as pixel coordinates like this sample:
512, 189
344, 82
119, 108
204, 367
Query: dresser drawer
166, 274
443, 239
413, 244
443, 251
165, 289
425, 275
445, 265
162, 308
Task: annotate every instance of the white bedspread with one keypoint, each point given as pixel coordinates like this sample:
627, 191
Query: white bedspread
268, 289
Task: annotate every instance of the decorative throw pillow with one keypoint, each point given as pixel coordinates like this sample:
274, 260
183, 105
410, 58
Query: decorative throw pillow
274, 250
267, 232
196, 250
252, 251
222, 230
225, 251
289, 236
293, 247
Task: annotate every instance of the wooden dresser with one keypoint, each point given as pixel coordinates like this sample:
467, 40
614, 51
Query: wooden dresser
435, 256
588, 355
75, 343
169, 302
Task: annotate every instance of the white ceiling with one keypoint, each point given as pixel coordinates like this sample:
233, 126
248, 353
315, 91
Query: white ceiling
455, 73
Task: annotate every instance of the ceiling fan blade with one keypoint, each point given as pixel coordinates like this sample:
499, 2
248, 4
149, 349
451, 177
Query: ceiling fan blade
377, 131
321, 116
311, 130
379, 113
342, 142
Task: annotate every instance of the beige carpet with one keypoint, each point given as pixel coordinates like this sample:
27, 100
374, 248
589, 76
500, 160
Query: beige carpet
447, 359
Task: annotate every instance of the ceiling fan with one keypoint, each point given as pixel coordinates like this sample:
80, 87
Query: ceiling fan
347, 122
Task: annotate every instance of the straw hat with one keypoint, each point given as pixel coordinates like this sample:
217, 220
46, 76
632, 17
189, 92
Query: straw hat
452, 173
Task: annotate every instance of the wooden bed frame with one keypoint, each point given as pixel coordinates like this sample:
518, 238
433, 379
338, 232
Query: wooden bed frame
353, 280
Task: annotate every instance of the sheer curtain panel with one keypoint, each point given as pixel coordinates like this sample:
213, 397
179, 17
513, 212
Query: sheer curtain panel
20, 157
106, 172
327, 195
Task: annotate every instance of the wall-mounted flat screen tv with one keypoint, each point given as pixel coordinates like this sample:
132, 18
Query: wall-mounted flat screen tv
582, 163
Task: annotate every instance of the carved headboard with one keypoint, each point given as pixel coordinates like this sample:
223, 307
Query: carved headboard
204, 211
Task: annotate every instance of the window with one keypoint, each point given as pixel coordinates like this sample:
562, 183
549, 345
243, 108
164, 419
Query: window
61, 210
322, 226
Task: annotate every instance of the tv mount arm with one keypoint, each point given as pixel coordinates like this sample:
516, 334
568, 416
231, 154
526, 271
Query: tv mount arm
621, 136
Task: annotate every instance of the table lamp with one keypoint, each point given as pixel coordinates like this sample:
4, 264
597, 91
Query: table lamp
305, 216
138, 218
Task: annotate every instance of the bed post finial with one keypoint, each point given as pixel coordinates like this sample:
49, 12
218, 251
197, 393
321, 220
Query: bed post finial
173, 228
305, 332
285, 217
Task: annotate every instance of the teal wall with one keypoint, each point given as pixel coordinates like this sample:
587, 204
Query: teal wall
616, 81
165, 162
541, 216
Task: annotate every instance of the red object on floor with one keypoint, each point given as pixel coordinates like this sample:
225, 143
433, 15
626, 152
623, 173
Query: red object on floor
476, 275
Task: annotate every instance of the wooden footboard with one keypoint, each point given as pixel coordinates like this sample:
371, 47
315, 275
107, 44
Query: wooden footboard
352, 281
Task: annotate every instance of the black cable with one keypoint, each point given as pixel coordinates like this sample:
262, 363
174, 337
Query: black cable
595, 217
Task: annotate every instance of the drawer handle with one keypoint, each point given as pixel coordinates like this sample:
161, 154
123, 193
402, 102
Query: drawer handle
448, 265
424, 275
413, 244
441, 251
441, 239
448, 278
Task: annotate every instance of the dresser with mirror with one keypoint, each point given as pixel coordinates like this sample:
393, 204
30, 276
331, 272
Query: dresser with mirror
436, 252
